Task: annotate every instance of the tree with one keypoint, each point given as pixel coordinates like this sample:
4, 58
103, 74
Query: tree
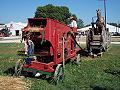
60, 13
80, 23
113, 24
119, 25
87, 25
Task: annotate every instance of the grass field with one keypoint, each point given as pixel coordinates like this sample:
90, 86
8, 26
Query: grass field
91, 74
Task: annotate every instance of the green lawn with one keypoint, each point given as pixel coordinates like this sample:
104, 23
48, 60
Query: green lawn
91, 74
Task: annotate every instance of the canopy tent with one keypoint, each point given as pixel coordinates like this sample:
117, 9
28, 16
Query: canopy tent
15, 28
112, 29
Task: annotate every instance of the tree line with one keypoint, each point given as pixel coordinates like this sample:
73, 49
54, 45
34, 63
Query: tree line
114, 24
60, 13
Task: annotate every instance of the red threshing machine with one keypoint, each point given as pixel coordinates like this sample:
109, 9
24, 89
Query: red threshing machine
53, 45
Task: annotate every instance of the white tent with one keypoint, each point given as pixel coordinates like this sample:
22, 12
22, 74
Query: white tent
84, 29
15, 28
112, 29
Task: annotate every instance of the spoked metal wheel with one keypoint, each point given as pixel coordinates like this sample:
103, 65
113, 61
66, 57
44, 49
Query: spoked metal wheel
18, 67
58, 74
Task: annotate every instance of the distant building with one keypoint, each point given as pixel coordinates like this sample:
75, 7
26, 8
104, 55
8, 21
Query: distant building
16, 28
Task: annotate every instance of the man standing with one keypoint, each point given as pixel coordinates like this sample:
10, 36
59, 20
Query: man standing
28, 46
73, 26
73, 22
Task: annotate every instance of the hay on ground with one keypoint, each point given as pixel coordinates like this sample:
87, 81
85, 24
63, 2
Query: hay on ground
12, 83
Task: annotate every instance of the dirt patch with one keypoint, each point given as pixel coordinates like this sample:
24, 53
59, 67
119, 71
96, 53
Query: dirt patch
12, 83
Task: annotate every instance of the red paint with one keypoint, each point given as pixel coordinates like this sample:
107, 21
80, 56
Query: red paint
53, 33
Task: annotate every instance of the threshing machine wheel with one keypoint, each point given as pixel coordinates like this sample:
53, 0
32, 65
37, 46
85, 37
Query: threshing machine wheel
18, 67
59, 74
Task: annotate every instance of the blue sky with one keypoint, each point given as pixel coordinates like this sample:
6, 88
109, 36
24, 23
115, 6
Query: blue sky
20, 10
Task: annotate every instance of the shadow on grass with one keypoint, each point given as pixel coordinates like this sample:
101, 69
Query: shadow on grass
115, 72
83, 52
100, 88
41, 77
10, 71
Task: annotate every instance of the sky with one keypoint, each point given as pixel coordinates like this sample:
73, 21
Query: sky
20, 10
